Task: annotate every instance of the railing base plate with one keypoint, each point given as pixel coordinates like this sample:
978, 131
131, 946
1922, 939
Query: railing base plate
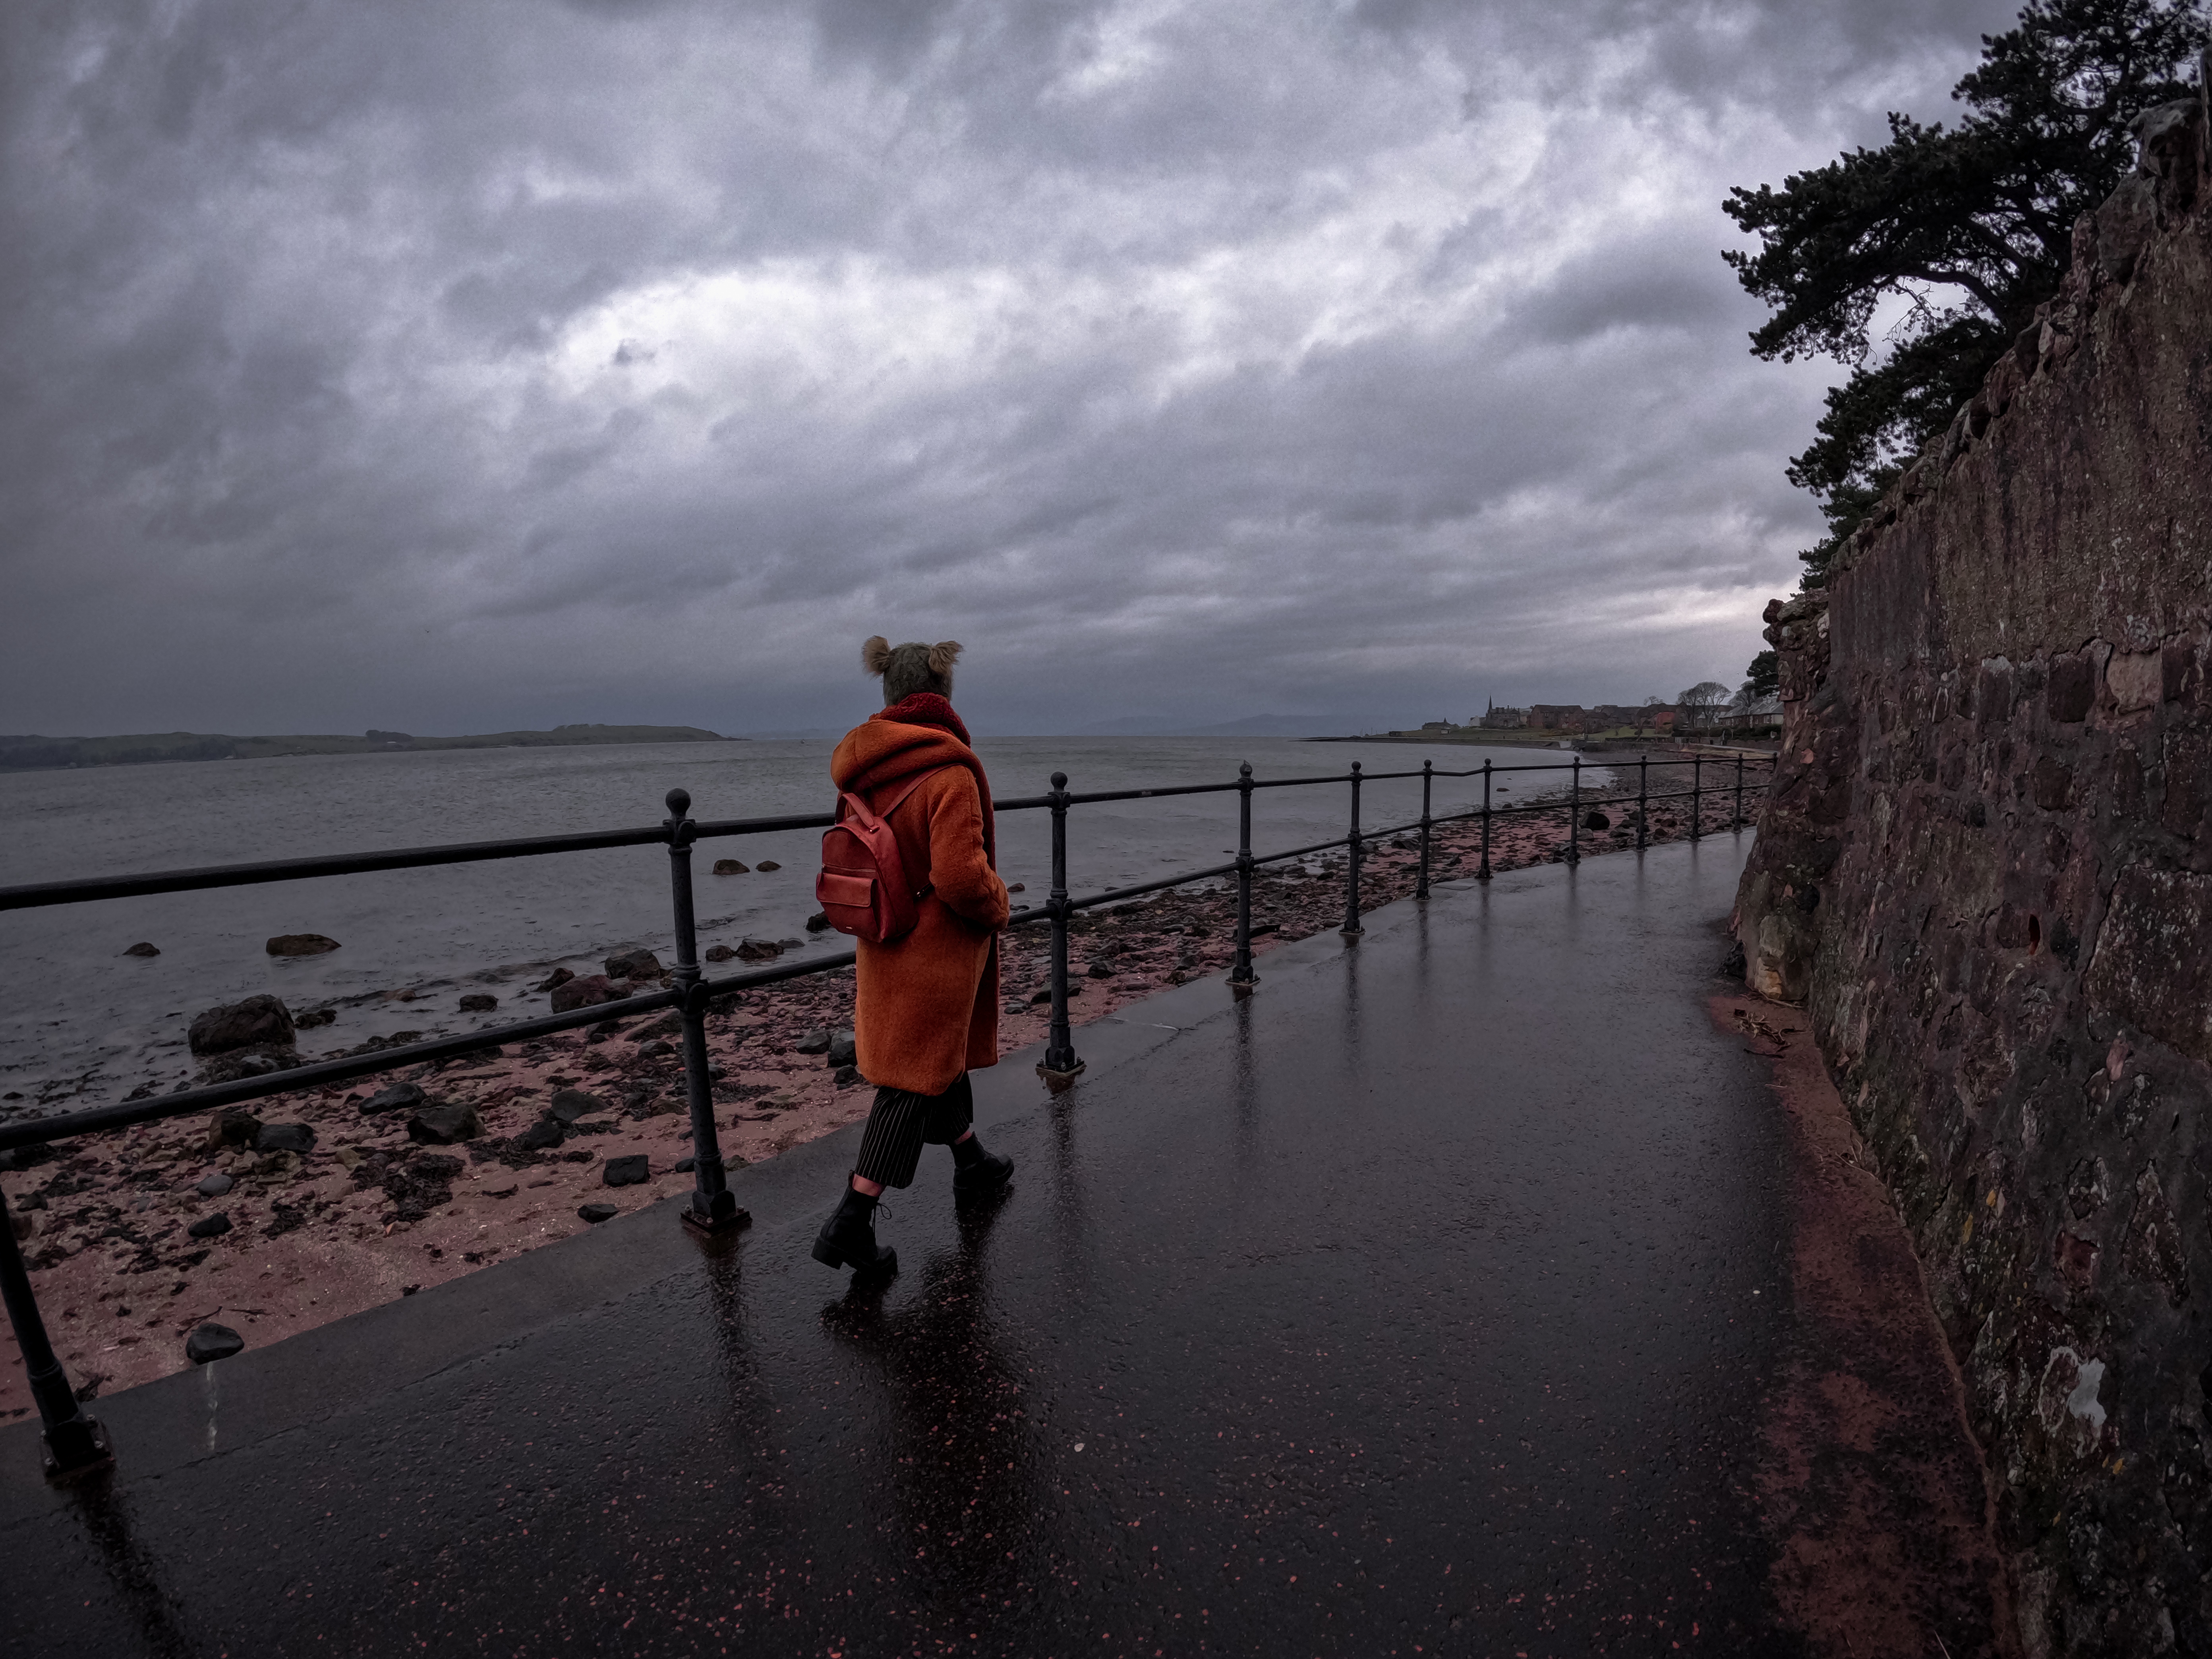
1241, 989
717, 1226
1351, 935
103, 1456
1057, 1081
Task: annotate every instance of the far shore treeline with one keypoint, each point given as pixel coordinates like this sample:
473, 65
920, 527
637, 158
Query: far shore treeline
19, 753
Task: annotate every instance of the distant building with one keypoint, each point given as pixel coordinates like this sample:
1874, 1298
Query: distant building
1572, 717
1760, 712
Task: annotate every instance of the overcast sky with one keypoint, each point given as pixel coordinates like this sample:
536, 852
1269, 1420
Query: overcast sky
460, 366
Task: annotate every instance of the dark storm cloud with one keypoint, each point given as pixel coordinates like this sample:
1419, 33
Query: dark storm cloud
416, 365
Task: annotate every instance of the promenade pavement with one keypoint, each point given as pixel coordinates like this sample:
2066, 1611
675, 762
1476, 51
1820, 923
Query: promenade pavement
1422, 1303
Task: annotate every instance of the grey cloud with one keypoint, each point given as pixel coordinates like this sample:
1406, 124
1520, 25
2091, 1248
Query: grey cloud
452, 368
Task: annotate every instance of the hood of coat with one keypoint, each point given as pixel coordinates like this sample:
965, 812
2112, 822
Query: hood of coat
881, 750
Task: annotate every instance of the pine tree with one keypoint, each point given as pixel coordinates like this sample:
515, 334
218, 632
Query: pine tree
1972, 226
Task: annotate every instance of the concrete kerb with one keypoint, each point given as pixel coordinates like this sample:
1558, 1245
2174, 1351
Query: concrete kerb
320, 1374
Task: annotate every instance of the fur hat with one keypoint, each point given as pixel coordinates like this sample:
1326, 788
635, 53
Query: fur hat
908, 669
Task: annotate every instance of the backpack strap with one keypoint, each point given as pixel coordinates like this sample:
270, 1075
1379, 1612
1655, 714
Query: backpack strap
891, 805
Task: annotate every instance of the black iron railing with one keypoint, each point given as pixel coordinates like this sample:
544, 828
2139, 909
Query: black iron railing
74, 1440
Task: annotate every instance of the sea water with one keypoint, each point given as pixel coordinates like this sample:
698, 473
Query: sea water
84, 1024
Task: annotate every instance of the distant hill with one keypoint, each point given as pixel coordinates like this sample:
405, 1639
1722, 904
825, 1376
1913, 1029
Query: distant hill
20, 754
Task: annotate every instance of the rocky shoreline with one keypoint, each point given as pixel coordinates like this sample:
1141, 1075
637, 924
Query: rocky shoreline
320, 1203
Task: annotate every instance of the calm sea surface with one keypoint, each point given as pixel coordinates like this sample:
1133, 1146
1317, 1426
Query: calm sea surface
84, 1023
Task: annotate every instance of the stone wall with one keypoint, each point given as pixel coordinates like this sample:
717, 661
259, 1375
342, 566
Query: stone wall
1985, 867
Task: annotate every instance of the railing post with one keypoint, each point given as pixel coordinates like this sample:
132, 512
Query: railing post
1574, 814
1060, 1066
1643, 798
1696, 795
1738, 824
1421, 881
714, 1206
1241, 977
73, 1441
1352, 929
1483, 873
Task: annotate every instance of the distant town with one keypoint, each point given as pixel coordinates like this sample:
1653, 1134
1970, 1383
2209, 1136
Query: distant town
1706, 713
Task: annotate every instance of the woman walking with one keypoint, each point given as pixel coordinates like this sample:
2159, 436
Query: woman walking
926, 1005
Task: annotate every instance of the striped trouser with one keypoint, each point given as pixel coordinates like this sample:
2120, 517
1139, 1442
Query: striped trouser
901, 1122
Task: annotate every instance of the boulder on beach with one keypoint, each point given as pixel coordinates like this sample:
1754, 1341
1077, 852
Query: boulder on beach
301, 945
720, 953
212, 1341
595, 1213
214, 1186
1596, 820
767, 864
315, 1016
233, 1130
588, 991
214, 1226
256, 1021
398, 1098
667, 1025
284, 1138
478, 1002
842, 1050
143, 949
570, 1104
632, 1171
442, 1126
729, 867
542, 1136
816, 1042
848, 1077
758, 949
554, 980
639, 964
818, 923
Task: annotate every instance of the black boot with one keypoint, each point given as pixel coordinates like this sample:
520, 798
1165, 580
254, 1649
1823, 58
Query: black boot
976, 1171
848, 1238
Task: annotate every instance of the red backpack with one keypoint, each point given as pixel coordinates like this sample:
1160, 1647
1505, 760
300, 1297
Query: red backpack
863, 888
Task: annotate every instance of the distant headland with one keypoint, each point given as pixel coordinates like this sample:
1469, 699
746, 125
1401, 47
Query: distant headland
21, 753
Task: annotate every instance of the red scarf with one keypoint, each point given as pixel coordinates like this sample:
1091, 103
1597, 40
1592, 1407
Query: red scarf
927, 709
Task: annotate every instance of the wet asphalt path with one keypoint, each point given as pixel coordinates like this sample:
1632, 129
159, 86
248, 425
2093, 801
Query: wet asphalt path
1423, 1303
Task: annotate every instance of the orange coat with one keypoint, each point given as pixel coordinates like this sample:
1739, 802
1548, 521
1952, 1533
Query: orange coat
925, 1007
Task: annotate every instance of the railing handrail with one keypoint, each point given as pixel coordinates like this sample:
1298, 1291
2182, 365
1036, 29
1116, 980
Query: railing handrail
36, 895
321, 1073
74, 1440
